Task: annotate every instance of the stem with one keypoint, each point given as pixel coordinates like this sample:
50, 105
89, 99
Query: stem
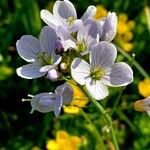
105, 115
135, 63
117, 100
147, 13
94, 128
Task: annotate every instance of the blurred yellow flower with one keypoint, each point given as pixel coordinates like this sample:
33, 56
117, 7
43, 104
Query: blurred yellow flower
144, 87
124, 27
64, 141
143, 105
101, 12
79, 99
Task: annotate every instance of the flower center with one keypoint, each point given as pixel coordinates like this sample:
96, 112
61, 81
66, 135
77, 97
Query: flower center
70, 21
81, 46
97, 73
44, 59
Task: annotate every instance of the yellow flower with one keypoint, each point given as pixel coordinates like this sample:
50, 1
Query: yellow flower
144, 87
64, 142
101, 12
79, 99
127, 47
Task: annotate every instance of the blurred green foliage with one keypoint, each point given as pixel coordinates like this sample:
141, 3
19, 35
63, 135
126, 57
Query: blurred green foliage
21, 131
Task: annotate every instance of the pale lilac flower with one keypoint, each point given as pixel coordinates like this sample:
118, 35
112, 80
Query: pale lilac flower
109, 27
101, 71
40, 53
64, 14
85, 38
46, 102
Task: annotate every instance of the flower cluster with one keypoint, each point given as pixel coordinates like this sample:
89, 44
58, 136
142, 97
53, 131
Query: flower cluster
73, 48
64, 141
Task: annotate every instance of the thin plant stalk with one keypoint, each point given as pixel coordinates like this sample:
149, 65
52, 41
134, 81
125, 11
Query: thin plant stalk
106, 117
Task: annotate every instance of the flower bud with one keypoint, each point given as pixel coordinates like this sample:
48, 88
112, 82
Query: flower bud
59, 47
53, 75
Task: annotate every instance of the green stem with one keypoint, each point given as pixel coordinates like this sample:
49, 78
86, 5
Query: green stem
105, 115
94, 128
117, 100
135, 63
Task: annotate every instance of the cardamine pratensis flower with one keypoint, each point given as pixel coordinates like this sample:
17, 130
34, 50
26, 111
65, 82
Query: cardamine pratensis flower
39, 53
144, 87
102, 71
65, 15
143, 105
64, 141
79, 99
46, 102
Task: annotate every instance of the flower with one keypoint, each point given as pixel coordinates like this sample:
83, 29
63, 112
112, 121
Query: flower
79, 99
64, 142
143, 105
46, 102
101, 12
39, 53
64, 14
85, 38
124, 34
144, 87
101, 71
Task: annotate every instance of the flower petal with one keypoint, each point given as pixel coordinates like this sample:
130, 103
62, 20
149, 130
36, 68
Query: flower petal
121, 74
97, 89
80, 69
30, 71
64, 10
48, 39
103, 55
109, 27
57, 106
28, 47
50, 19
66, 91
43, 102
89, 13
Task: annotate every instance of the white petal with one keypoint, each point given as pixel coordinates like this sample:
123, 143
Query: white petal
28, 47
121, 74
90, 13
57, 106
109, 27
69, 44
42, 103
103, 55
48, 39
80, 69
47, 68
148, 112
50, 19
76, 25
66, 91
97, 89
64, 9
30, 71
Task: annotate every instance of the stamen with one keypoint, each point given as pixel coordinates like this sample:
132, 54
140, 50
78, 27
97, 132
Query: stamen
97, 73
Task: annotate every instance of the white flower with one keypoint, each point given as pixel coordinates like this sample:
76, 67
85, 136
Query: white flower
64, 14
101, 71
46, 102
39, 53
